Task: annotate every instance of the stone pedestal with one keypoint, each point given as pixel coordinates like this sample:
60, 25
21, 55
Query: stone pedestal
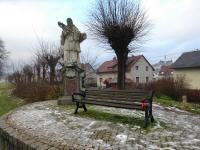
184, 99
70, 86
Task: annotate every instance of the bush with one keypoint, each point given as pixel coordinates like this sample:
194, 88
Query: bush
172, 87
36, 91
193, 95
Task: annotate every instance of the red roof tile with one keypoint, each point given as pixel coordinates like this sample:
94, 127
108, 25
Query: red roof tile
111, 65
166, 70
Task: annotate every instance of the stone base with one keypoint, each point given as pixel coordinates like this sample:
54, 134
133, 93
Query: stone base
65, 100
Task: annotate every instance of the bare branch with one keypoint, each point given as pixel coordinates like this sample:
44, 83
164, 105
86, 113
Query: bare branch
120, 23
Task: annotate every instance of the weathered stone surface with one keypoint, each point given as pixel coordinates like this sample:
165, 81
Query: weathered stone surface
47, 126
65, 100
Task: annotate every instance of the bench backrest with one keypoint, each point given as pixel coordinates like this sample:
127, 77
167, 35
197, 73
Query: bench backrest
124, 95
116, 98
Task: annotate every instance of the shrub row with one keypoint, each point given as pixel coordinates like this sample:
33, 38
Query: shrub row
36, 91
193, 95
169, 86
174, 88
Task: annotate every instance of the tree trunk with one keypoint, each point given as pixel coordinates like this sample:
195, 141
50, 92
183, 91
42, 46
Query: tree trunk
43, 72
38, 73
52, 74
121, 76
29, 78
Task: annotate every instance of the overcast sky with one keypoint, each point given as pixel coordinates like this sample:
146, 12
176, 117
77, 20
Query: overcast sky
175, 26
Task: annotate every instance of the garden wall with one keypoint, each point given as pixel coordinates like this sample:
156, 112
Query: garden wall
12, 139
9, 140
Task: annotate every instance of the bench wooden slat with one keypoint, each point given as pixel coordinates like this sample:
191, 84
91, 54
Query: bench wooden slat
112, 101
117, 94
120, 91
117, 98
112, 104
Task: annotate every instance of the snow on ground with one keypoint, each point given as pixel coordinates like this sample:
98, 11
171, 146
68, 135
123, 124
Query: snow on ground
59, 126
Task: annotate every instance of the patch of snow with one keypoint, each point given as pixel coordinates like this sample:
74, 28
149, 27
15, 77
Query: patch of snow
91, 124
122, 138
99, 141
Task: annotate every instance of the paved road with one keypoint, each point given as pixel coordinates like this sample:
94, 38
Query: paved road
57, 127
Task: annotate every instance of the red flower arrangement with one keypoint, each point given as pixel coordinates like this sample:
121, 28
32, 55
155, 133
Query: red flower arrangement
144, 104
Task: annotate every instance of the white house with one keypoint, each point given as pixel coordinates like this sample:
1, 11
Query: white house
188, 66
139, 70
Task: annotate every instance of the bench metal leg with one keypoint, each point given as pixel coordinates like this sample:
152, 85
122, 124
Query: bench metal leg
150, 112
152, 119
77, 107
146, 118
84, 107
151, 116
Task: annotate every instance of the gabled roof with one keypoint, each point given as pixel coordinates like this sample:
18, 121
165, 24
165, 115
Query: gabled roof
87, 66
166, 70
111, 65
188, 60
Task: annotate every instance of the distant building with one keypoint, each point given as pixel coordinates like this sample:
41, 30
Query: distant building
139, 70
166, 71
91, 76
188, 65
161, 65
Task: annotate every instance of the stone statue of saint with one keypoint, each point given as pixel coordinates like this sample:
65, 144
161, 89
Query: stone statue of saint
71, 38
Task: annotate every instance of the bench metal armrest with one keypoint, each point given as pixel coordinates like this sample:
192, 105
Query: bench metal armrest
77, 94
152, 94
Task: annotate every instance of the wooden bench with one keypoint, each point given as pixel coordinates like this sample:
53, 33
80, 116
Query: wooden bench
136, 99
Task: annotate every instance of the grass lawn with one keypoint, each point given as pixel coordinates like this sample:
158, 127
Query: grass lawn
115, 118
8, 102
166, 101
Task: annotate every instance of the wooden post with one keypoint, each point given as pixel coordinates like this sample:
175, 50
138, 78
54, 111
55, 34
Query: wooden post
184, 99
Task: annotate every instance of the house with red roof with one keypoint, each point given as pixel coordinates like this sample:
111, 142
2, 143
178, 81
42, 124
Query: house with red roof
166, 71
139, 70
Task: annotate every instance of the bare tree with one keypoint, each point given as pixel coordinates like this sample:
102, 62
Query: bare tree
37, 67
89, 64
88, 58
52, 61
49, 56
3, 56
28, 73
121, 24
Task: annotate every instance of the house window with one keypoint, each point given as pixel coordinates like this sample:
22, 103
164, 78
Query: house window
147, 79
137, 67
147, 68
137, 79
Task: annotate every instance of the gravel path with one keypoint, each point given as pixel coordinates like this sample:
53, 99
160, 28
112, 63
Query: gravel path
58, 128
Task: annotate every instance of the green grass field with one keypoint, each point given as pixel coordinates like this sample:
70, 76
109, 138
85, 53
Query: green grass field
115, 118
7, 101
167, 101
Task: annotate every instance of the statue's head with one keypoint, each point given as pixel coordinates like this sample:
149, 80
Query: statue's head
69, 22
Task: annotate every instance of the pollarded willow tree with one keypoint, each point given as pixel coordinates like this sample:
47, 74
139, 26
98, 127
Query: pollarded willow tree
122, 25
